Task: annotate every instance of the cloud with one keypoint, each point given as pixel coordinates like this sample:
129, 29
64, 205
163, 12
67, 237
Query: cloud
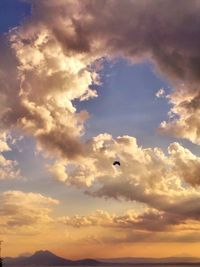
148, 225
21, 211
8, 168
146, 175
186, 164
184, 120
46, 63
49, 61
148, 220
38, 83
88, 30
161, 93
164, 35
48, 81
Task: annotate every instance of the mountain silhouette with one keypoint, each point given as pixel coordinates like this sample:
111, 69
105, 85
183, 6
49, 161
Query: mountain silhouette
47, 258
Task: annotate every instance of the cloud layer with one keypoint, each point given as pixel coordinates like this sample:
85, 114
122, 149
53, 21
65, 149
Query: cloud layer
24, 212
49, 61
148, 226
146, 175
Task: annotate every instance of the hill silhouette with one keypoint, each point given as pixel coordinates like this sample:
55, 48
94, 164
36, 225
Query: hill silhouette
47, 258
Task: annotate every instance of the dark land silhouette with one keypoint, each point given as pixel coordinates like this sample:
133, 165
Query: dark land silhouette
47, 258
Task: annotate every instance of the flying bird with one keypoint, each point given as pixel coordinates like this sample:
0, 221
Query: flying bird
116, 163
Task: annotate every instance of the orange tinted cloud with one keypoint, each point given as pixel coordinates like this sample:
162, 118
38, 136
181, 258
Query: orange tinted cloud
24, 212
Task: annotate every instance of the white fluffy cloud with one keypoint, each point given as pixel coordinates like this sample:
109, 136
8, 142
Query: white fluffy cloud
49, 80
184, 115
146, 175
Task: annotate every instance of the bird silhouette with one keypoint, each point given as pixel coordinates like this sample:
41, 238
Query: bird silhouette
116, 163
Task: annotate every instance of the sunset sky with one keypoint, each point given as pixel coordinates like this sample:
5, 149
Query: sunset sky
84, 83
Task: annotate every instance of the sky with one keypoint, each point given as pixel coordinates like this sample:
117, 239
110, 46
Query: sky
85, 83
